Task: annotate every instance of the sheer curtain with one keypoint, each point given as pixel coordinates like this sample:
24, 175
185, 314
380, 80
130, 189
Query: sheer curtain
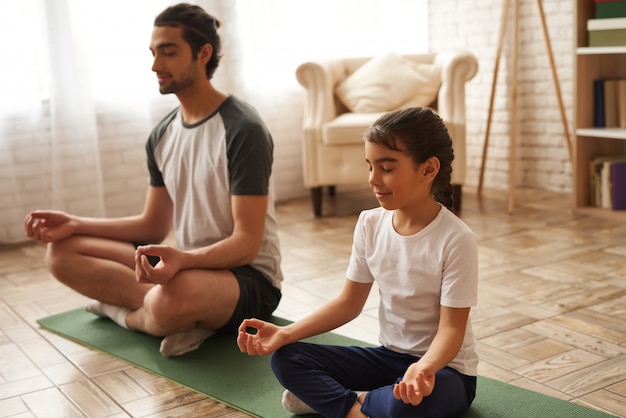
62, 61
68, 65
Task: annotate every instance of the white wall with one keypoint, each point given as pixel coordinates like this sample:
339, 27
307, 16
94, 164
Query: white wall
542, 154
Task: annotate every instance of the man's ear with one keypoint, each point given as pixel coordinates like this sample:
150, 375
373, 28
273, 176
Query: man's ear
205, 53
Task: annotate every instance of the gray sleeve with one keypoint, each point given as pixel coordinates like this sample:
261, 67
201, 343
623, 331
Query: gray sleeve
156, 177
249, 150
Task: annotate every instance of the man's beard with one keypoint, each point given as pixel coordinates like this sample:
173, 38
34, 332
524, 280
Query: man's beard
186, 80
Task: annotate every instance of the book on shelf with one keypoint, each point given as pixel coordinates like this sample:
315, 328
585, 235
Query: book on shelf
606, 24
595, 185
598, 103
610, 37
609, 103
605, 185
607, 189
611, 113
608, 31
610, 9
618, 185
621, 102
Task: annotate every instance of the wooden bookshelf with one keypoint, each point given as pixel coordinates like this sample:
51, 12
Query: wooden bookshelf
591, 63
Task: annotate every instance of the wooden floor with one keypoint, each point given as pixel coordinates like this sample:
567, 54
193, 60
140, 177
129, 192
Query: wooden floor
551, 314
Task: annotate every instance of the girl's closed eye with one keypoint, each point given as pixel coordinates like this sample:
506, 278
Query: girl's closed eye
385, 168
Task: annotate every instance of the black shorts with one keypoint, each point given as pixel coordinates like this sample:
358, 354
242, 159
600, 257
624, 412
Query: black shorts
258, 298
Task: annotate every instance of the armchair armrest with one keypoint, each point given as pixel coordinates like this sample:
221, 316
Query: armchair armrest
457, 67
319, 79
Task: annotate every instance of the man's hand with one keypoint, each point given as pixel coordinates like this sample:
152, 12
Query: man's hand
166, 268
49, 226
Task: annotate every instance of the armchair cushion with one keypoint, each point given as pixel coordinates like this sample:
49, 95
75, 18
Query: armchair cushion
348, 128
389, 82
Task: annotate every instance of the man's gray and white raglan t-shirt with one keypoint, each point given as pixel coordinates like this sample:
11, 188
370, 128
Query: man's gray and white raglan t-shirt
202, 165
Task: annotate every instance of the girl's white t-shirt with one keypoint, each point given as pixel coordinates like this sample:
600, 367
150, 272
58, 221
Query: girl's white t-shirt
416, 275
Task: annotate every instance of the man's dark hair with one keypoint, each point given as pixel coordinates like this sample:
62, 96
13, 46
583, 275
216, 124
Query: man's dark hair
199, 28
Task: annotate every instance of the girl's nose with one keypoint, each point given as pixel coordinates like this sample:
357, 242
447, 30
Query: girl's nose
372, 178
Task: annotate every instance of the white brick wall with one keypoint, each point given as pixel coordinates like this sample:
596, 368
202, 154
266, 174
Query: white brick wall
284, 120
25, 167
542, 156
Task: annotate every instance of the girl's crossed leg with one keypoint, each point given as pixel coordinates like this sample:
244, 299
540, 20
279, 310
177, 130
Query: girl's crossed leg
326, 378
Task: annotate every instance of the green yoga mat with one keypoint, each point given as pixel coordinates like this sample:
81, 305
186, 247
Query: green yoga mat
218, 370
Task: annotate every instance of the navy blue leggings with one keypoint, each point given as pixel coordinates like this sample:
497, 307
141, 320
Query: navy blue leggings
326, 377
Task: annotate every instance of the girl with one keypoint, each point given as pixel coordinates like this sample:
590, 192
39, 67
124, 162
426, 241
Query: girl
424, 260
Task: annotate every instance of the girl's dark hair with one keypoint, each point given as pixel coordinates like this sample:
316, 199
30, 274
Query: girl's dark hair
419, 133
199, 28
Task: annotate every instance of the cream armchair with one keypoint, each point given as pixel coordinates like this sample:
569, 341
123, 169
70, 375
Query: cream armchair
332, 135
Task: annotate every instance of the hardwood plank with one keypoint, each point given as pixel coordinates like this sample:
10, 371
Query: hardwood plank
19, 387
499, 357
63, 373
13, 407
121, 387
588, 379
8, 317
576, 339
202, 408
562, 364
40, 353
595, 324
15, 365
500, 323
161, 402
90, 399
610, 402
94, 363
526, 344
51, 403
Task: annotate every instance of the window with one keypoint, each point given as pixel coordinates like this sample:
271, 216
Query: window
104, 43
278, 35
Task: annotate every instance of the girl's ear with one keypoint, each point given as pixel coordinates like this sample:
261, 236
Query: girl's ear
430, 168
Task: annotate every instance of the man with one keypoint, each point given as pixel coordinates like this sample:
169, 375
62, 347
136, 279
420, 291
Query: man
209, 162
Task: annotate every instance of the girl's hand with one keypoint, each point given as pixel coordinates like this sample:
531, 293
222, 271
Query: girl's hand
415, 385
49, 226
267, 339
165, 269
